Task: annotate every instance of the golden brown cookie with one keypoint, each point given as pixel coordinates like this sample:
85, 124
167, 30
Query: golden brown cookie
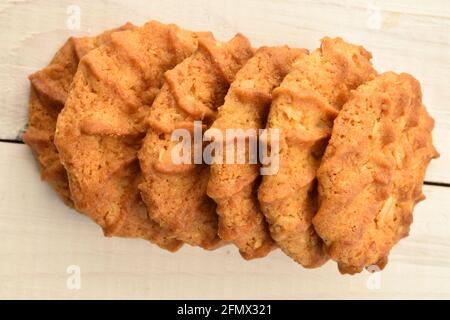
233, 186
102, 125
372, 172
303, 109
48, 93
175, 194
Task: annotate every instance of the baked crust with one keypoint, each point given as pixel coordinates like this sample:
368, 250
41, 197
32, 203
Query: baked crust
102, 125
303, 108
372, 172
175, 194
48, 93
233, 186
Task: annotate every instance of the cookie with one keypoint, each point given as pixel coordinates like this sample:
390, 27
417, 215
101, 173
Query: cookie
102, 125
233, 186
48, 93
303, 109
175, 194
372, 172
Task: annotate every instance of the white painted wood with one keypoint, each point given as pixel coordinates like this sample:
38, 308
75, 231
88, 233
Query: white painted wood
40, 238
404, 35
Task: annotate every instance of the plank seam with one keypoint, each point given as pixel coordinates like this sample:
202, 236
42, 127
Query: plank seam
12, 141
436, 184
428, 183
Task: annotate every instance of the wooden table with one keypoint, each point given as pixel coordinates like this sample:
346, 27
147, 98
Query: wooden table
43, 244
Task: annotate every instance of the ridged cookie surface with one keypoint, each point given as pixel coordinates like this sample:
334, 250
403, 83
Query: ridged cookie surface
102, 125
48, 93
303, 109
372, 172
233, 185
175, 194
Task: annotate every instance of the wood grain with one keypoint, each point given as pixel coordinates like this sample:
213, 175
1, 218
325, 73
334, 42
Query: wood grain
410, 36
41, 238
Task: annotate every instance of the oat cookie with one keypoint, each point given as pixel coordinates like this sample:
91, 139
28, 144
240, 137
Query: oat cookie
175, 194
303, 108
48, 93
372, 172
233, 186
102, 125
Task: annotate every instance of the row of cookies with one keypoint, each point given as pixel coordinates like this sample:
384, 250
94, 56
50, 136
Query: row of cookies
103, 111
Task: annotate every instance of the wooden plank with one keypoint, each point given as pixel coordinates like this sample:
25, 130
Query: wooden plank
403, 35
41, 239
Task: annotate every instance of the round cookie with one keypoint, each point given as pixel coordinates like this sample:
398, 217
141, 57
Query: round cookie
48, 93
372, 172
175, 194
303, 109
233, 186
102, 125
